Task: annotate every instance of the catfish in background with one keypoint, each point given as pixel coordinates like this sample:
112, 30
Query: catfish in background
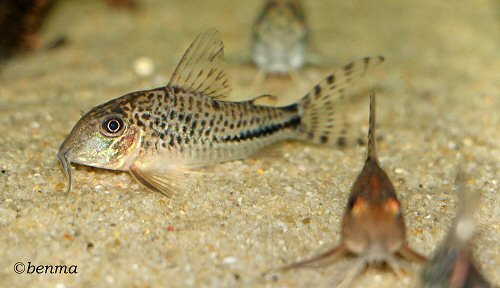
191, 122
280, 37
452, 264
373, 228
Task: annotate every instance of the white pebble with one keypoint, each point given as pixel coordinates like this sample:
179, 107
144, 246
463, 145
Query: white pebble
400, 171
452, 145
229, 260
144, 66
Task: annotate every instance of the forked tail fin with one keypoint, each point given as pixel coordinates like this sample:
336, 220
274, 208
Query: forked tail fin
322, 116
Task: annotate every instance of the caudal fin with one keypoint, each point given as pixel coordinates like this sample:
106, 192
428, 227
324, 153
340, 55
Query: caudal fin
323, 118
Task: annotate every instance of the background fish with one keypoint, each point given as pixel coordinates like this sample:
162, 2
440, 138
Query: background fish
156, 134
452, 264
373, 228
279, 37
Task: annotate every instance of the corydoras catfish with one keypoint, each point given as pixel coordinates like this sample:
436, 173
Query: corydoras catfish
452, 265
373, 228
192, 122
280, 37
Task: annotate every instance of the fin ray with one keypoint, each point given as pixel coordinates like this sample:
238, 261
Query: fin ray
327, 256
372, 148
201, 69
464, 224
406, 252
165, 183
324, 115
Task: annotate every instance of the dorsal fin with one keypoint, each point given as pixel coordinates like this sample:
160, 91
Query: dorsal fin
468, 202
372, 149
201, 69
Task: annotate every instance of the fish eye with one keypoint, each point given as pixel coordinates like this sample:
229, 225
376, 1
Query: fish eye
112, 126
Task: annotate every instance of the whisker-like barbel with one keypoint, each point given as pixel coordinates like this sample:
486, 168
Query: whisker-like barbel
66, 165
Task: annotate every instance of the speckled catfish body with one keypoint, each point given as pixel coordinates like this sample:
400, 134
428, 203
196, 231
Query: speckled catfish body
191, 122
280, 37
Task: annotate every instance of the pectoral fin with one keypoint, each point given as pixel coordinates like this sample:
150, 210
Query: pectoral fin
411, 255
322, 259
164, 182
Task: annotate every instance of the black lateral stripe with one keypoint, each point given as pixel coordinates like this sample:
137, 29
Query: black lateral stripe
263, 131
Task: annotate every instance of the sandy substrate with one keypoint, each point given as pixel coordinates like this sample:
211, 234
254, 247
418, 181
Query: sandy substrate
439, 95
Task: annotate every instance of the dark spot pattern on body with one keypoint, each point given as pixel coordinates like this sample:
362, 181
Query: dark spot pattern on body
216, 106
176, 89
341, 141
317, 91
263, 131
349, 66
330, 79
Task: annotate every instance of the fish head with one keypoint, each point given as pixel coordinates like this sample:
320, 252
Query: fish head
281, 23
280, 34
373, 216
102, 138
